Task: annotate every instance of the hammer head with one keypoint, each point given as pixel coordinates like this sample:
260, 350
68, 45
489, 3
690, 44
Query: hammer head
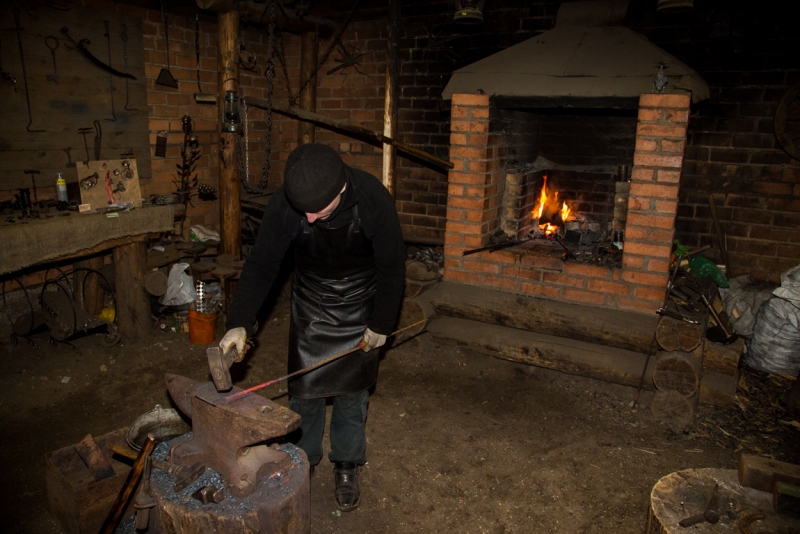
187, 475
219, 368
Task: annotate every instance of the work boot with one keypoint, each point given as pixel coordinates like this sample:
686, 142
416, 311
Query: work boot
345, 477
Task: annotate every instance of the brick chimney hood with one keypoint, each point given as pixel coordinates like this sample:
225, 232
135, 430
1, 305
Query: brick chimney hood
587, 60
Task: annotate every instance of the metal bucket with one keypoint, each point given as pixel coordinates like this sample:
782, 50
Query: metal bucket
163, 424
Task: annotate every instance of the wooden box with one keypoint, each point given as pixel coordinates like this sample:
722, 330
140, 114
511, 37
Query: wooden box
77, 501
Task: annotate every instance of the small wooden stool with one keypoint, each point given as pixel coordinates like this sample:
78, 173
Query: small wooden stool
201, 270
222, 274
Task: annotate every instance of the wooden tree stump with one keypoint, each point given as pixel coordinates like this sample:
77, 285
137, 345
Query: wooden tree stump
677, 371
686, 493
673, 334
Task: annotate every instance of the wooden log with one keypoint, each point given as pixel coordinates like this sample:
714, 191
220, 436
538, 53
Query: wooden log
677, 371
673, 334
390, 99
348, 129
723, 358
543, 350
762, 473
614, 328
89, 295
309, 45
229, 187
133, 305
672, 409
717, 389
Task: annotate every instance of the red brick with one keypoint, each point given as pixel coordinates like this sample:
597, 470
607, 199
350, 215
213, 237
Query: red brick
479, 113
468, 126
468, 178
647, 279
656, 160
543, 262
672, 146
458, 139
465, 99
455, 215
639, 174
652, 190
645, 249
668, 207
476, 139
481, 267
563, 280
477, 216
501, 256
638, 219
772, 188
668, 176
585, 297
461, 276
581, 269
474, 241
652, 115
520, 272
649, 293
456, 190
636, 232
661, 236
451, 263
604, 286
632, 262
451, 251
652, 100
658, 130
460, 228
639, 203
540, 290
469, 153
658, 266
505, 283
677, 115
644, 306
646, 145
459, 112
479, 204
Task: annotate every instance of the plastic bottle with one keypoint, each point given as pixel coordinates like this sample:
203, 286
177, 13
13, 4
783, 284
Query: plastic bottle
61, 188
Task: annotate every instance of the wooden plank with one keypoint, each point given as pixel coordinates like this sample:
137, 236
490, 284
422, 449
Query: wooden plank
133, 304
93, 457
614, 328
542, 350
723, 358
82, 95
717, 389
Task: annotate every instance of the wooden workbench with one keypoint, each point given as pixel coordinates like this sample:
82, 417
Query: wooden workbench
32, 242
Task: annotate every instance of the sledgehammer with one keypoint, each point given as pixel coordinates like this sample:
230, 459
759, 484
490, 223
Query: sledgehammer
219, 364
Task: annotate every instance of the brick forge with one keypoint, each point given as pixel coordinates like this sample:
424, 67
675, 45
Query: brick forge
474, 207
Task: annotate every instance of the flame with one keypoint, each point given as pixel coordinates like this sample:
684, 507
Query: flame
537, 211
548, 229
564, 212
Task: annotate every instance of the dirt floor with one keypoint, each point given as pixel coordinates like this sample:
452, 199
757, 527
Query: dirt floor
457, 441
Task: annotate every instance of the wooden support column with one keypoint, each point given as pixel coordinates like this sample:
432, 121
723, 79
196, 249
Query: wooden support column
229, 187
133, 304
308, 96
390, 102
88, 293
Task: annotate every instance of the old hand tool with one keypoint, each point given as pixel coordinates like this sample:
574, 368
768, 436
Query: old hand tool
52, 43
229, 438
144, 499
184, 475
81, 47
19, 29
744, 522
235, 396
118, 508
208, 494
676, 315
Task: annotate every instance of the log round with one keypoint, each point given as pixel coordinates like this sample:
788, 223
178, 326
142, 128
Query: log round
686, 493
677, 371
672, 408
673, 334
280, 502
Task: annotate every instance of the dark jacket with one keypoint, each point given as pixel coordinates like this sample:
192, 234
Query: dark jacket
281, 226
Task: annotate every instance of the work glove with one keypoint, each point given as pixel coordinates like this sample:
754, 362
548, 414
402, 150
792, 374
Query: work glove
372, 340
234, 337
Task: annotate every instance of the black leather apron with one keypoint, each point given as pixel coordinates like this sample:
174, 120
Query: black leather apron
333, 290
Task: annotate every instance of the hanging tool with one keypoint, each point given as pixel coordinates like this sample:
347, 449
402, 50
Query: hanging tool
98, 140
124, 36
216, 362
200, 96
107, 35
69, 156
81, 47
83, 132
165, 77
24, 72
33, 174
52, 43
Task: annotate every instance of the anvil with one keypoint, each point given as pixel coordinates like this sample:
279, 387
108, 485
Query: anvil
229, 437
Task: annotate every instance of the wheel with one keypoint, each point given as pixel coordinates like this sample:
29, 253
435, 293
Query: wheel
787, 122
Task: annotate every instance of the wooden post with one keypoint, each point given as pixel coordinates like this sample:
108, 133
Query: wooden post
229, 187
308, 96
133, 304
88, 293
390, 102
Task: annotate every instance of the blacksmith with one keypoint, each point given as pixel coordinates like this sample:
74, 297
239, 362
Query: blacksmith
347, 287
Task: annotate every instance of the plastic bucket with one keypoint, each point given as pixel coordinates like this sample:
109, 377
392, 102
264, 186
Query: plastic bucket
202, 327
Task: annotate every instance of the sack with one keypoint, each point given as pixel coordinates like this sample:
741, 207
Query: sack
743, 300
775, 347
180, 287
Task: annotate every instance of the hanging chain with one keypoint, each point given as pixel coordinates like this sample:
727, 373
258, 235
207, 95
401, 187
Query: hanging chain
244, 163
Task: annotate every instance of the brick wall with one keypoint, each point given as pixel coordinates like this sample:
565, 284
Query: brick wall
476, 185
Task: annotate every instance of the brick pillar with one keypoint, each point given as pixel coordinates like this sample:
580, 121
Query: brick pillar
653, 201
472, 191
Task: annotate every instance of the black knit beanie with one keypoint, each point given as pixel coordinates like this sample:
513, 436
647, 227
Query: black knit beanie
314, 176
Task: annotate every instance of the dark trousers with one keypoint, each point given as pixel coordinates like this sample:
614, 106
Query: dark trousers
349, 417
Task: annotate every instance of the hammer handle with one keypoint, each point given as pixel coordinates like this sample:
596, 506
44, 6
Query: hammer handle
118, 508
